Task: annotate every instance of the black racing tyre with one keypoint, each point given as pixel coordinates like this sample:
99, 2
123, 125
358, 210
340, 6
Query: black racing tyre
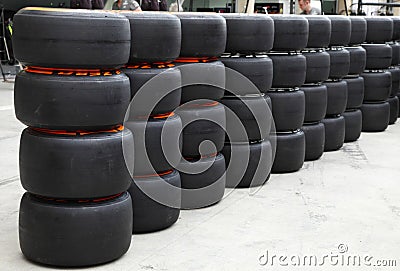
377, 86
355, 92
155, 36
318, 66
395, 53
202, 81
203, 34
337, 97
376, 117
291, 32
85, 166
394, 109
315, 141
358, 30
160, 140
353, 122
205, 188
335, 129
340, 63
259, 70
72, 234
258, 167
254, 114
289, 70
379, 56
341, 30
395, 72
358, 59
71, 102
70, 38
155, 201
319, 31
204, 122
248, 33
396, 27
165, 87
290, 152
379, 29
398, 96
316, 102
288, 109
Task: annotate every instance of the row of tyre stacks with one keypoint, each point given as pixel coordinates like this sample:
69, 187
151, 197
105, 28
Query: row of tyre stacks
76, 210
380, 106
195, 124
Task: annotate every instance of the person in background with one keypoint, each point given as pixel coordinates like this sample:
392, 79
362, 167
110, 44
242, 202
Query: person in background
307, 9
126, 5
87, 4
155, 5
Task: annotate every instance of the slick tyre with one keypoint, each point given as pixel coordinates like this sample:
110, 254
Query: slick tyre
155, 201
68, 38
315, 141
290, 152
335, 129
80, 166
71, 102
72, 234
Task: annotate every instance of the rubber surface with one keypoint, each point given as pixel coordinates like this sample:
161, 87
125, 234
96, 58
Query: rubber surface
248, 33
148, 196
335, 129
259, 70
160, 140
355, 92
358, 30
337, 97
71, 102
203, 34
290, 152
353, 122
149, 85
315, 141
87, 166
291, 32
395, 72
394, 109
318, 66
288, 109
340, 63
395, 53
341, 30
258, 167
205, 188
376, 117
155, 36
68, 38
379, 29
74, 234
202, 81
316, 102
254, 114
358, 59
289, 70
319, 31
377, 86
202, 123
379, 56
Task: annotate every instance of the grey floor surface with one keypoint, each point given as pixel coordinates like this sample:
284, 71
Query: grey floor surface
350, 198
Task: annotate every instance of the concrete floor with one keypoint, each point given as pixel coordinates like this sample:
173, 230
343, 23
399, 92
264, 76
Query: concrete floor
349, 197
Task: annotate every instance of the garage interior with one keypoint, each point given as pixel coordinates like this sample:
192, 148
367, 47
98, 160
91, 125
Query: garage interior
345, 203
